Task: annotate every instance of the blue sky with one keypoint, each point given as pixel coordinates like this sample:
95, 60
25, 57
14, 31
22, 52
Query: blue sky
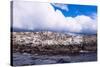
54, 17
75, 10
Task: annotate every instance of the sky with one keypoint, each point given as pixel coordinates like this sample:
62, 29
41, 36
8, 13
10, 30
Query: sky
73, 18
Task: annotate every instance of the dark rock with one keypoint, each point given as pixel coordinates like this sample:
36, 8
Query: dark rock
62, 61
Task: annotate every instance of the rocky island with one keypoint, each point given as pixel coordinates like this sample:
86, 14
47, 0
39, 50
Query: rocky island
52, 43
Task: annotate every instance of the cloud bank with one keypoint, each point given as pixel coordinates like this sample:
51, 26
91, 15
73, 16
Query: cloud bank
42, 16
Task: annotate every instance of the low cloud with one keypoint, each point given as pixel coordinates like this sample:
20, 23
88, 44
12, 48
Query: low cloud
42, 16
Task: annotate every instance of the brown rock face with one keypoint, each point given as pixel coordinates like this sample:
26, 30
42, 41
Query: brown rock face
52, 42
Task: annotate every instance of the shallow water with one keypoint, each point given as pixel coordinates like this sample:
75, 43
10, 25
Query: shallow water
20, 59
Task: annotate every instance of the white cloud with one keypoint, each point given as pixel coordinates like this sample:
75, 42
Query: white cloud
87, 23
30, 15
61, 6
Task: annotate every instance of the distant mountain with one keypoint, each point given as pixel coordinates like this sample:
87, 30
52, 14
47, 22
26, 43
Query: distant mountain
20, 30
35, 30
38, 30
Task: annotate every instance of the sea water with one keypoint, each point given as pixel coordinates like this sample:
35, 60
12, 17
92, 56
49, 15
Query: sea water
20, 59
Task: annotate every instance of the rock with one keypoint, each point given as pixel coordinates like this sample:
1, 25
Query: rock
53, 42
63, 61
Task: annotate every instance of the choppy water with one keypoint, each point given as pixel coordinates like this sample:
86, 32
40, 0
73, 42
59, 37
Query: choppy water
20, 59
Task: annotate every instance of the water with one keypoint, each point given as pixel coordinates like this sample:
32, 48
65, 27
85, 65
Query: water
20, 59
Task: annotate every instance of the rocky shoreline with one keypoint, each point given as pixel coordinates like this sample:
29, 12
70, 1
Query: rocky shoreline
52, 43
